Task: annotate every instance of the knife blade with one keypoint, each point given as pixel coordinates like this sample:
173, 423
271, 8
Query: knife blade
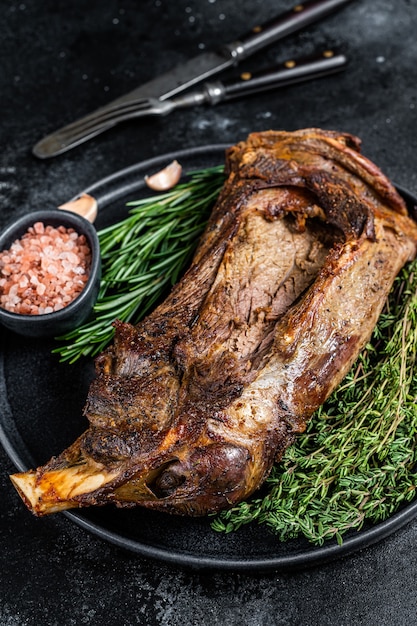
199, 68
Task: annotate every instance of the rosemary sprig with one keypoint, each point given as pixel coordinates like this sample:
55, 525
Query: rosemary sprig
142, 256
356, 462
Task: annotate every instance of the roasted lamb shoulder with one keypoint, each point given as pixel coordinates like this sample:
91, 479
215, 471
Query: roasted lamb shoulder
190, 408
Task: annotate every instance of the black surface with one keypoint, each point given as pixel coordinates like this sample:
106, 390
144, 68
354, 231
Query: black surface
60, 60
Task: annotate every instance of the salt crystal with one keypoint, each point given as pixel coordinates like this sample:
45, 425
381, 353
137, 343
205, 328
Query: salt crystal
73, 258
52, 269
51, 251
39, 228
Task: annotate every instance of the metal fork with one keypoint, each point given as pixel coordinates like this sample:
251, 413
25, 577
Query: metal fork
289, 72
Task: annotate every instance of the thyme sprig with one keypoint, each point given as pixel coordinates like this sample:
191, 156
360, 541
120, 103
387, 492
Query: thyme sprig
357, 460
142, 256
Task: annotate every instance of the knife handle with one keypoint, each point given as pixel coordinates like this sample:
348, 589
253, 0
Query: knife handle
288, 73
289, 22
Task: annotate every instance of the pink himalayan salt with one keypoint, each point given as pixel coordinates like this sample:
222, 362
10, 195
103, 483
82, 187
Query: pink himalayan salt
44, 270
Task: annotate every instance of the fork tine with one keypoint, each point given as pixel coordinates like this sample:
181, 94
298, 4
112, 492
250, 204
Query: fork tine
93, 124
102, 119
107, 116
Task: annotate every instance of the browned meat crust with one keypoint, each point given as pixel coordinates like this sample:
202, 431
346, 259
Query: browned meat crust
190, 408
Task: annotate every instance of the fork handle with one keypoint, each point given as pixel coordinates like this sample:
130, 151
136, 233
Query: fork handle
297, 18
288, 73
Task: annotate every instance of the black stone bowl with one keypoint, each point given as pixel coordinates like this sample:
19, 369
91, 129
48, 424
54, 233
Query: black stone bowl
79, 309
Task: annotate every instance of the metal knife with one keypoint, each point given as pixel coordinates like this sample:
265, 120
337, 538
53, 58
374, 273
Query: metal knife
201, 67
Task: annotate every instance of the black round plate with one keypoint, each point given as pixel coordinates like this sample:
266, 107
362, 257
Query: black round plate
41, 403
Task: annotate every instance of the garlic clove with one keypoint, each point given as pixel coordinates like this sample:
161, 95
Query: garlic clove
166, 178
85, 205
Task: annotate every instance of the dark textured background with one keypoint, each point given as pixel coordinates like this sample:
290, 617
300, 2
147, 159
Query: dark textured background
61, 59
